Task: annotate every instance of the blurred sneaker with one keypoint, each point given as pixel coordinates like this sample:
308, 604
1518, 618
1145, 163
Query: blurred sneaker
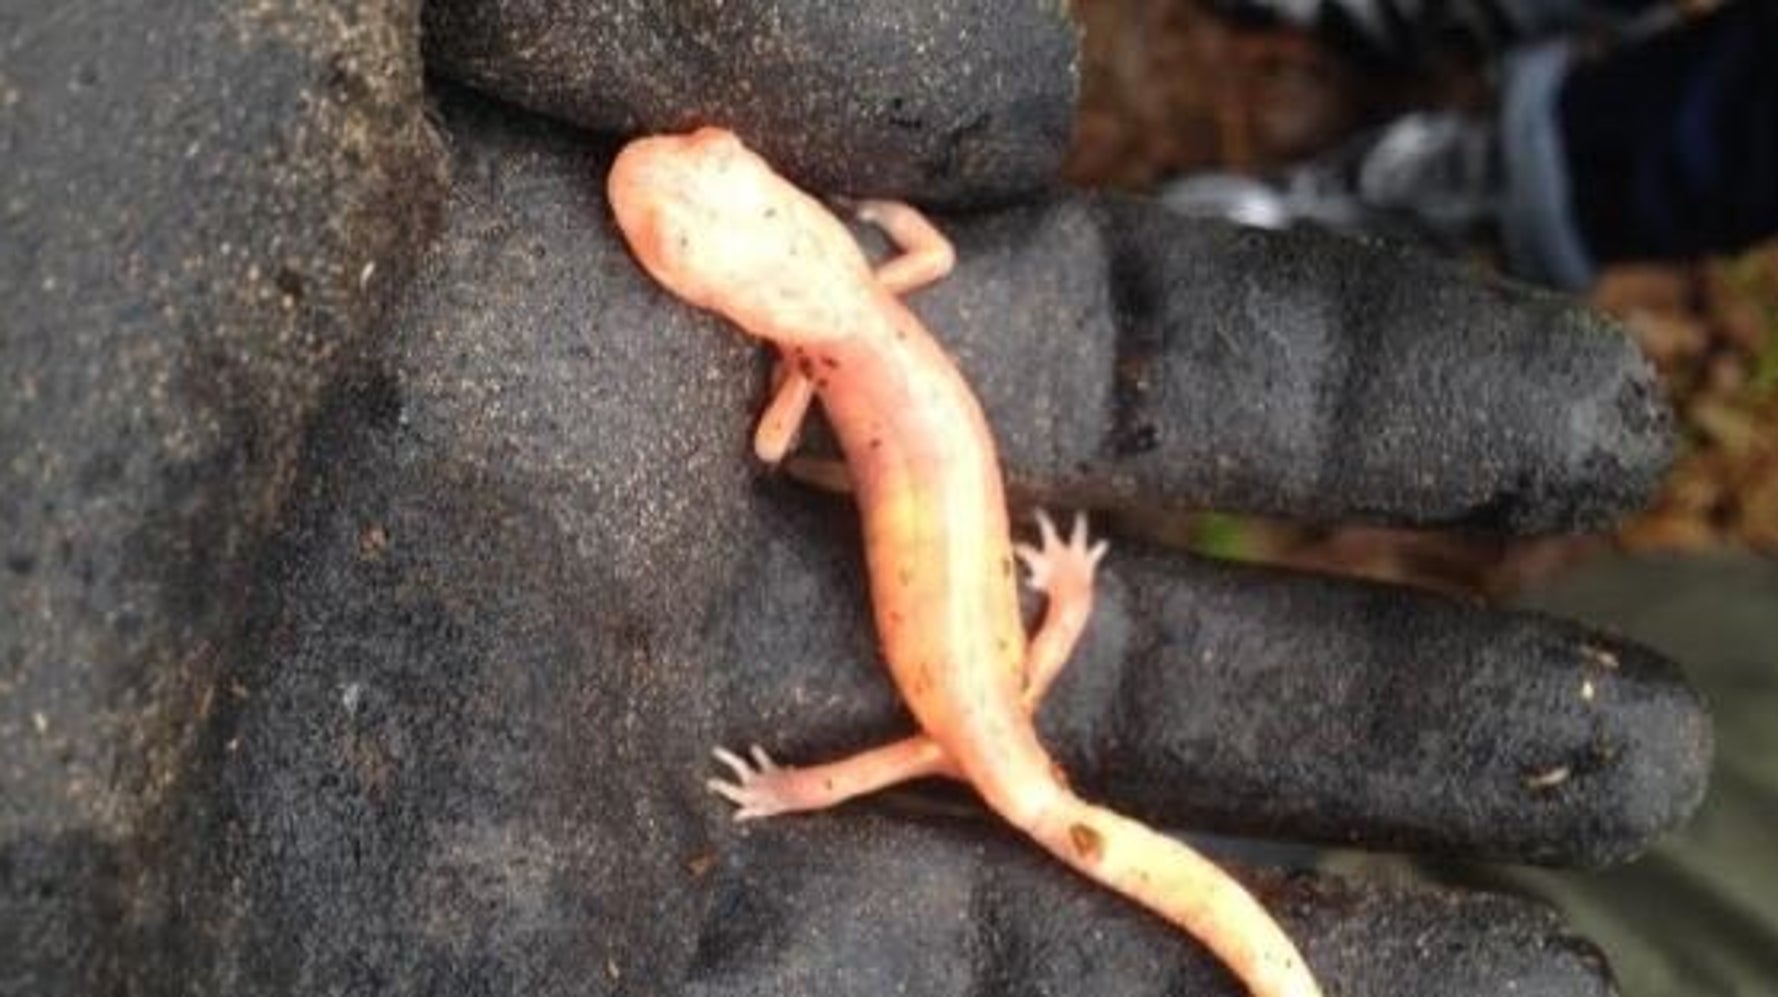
1409, 34
1430, 177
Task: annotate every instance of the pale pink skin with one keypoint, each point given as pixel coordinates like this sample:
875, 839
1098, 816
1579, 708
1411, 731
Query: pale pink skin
716, 226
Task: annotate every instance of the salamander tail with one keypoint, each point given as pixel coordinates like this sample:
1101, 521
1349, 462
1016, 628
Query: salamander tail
1181, 885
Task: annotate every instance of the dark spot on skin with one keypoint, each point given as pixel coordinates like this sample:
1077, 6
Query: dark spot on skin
803, 364
1006, 567
830, 363
875, 442
904, 576
1088, 843
771, 212
820, 384
895, 619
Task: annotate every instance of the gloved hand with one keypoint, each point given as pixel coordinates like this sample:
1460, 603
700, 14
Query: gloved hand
525, 575
537, 576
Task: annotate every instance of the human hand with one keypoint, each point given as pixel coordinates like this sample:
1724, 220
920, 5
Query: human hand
538, 576
427, 709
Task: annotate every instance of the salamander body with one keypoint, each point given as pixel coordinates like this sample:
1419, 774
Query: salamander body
715, 225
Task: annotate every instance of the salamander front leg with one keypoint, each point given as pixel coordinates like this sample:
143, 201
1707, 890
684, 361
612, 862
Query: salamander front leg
926, 255
792, 391
762, 788
782, 422
1064, 573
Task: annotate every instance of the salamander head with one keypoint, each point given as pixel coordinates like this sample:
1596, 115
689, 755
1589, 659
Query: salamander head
715, 225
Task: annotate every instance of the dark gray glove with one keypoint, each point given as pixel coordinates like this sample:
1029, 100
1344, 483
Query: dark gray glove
436, 667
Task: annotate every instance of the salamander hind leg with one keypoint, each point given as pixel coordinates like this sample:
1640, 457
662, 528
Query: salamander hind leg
762, 788
1064, 573
926, 255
